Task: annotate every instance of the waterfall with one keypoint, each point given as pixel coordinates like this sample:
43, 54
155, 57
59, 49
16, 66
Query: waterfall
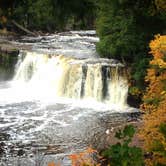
100, 79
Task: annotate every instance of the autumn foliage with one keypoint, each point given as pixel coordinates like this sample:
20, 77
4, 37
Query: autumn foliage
84, 158
154, 104
161, 5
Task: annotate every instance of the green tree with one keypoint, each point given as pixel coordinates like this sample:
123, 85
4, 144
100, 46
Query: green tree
81, 12
49, 15
125, 28
121, 154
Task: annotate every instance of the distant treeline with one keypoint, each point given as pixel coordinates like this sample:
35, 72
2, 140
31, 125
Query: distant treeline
48, 15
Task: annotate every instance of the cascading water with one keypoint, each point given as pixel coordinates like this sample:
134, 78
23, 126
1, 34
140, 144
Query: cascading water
100, 79
62, 99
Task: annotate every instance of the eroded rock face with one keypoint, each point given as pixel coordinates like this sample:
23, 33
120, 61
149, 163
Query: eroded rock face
8, 60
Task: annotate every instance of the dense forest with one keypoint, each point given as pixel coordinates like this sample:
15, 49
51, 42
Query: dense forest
48, 15
130, 31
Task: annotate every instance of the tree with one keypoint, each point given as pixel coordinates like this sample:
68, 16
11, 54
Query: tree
49, 15
153, 131
161, 5
125, 28
122, 154
80, 12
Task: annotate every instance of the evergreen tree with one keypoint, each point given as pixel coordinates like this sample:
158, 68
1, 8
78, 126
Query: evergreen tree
125, 28
49, 15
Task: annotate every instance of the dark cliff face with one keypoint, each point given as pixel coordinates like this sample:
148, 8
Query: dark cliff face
8, 60
134, 101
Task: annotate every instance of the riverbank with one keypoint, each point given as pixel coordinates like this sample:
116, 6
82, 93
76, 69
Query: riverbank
7, 45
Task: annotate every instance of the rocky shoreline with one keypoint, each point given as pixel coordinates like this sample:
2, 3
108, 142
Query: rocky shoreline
7, 45
24, 150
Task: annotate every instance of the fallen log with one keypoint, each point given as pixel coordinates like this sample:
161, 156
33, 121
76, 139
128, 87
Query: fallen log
23, 28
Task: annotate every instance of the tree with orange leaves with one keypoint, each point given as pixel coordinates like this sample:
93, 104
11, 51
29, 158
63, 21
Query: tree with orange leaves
153, 133
84, 158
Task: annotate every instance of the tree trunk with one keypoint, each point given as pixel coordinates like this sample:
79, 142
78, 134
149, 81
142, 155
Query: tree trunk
23, 28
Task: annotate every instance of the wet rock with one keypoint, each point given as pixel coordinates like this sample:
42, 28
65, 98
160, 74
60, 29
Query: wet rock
21, 152
2, 144
4, 136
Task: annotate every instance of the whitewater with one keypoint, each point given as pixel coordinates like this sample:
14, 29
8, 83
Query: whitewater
63, 96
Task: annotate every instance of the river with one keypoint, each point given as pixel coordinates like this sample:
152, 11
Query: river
61, 99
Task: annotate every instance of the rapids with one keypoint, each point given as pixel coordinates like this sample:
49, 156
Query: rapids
61, 99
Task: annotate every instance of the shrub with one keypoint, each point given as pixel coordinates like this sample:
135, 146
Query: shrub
121, 154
